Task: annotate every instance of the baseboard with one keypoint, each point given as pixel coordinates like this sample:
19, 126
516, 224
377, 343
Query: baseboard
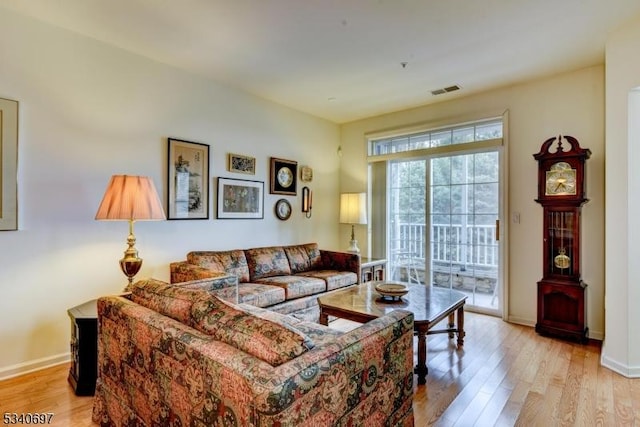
33, 365
624, 370
593, 335
521, 321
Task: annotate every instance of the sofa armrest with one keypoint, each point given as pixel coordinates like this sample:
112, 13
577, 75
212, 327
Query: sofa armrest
364, 377
182, 271
341, 261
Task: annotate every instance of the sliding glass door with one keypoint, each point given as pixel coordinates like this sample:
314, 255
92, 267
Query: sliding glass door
443, 224
464, 230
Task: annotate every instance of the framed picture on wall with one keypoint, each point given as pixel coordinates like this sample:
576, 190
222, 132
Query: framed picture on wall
241, 164
9, 166
284, 174
188, 180
240, 199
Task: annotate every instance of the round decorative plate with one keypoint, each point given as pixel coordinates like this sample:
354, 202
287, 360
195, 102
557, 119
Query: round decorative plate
285, 177
391, 290
283, 209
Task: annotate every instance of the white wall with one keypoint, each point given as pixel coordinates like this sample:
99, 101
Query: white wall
88, 111
567, 104
621, 347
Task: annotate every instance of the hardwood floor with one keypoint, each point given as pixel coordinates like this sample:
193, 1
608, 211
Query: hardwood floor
506, 375
46, 391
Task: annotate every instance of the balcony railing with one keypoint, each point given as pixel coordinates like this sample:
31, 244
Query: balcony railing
460, 245
464, 258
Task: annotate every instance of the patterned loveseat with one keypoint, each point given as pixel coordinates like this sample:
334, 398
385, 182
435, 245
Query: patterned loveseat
285, 279
172, 355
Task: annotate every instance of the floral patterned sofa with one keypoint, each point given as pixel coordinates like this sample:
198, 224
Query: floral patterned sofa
285, 279
177, 355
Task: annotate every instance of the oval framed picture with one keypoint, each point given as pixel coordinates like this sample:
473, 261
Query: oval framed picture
283, 209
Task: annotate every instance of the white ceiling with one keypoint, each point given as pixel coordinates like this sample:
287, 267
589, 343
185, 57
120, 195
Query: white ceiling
342, 59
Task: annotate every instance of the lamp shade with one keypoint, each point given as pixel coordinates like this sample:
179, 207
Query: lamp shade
353, 208
130, 197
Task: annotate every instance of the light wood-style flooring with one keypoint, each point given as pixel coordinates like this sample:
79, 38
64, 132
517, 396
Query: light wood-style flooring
506, 375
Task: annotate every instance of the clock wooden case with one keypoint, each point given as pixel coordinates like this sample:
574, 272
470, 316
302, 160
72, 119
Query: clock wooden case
561, 192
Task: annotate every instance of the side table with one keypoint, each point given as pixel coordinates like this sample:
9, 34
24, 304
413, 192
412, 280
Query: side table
84, 348
372, 269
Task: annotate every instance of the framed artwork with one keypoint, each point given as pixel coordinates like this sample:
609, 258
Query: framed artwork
9, 164
240, 199
188, 180
284, 175
283, 209
241, 164
306, 174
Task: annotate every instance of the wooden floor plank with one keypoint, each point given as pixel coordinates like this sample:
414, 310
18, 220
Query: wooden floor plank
505, 375
622, 400
587, 400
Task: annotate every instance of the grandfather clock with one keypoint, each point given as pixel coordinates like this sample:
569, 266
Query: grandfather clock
561, 192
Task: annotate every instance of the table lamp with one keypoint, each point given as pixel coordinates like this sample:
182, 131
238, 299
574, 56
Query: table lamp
130, 198
353, 210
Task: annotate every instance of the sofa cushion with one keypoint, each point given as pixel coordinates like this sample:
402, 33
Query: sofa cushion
271, 315
169, 300
232, 262
268, 340
267, 262
296, 286
320, 334
335, 279
259, 294
225, 288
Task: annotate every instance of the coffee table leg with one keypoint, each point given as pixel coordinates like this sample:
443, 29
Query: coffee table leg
461, 326
451, 324
421, 368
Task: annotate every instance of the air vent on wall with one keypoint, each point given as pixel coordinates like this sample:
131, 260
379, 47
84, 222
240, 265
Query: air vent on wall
445, 90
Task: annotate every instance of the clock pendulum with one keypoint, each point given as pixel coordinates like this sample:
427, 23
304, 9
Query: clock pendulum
561, 260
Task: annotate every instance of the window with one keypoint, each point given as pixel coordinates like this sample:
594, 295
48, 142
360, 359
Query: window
462, 134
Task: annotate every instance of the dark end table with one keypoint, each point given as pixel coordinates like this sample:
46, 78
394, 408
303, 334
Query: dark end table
84, 348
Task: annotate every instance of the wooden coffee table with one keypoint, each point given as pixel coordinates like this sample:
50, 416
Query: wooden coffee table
428, 304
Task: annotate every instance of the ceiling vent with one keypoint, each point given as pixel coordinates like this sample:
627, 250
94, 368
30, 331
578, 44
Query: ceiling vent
445, 90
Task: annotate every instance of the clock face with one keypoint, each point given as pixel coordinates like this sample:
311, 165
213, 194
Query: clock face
561, 180
285, 177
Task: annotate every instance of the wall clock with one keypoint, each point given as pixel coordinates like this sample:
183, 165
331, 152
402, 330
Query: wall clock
283, 209
283, 176
561, 192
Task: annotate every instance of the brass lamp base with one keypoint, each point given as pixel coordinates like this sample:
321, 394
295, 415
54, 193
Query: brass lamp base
131, 263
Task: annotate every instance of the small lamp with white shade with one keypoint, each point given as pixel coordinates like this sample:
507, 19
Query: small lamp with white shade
353, 210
